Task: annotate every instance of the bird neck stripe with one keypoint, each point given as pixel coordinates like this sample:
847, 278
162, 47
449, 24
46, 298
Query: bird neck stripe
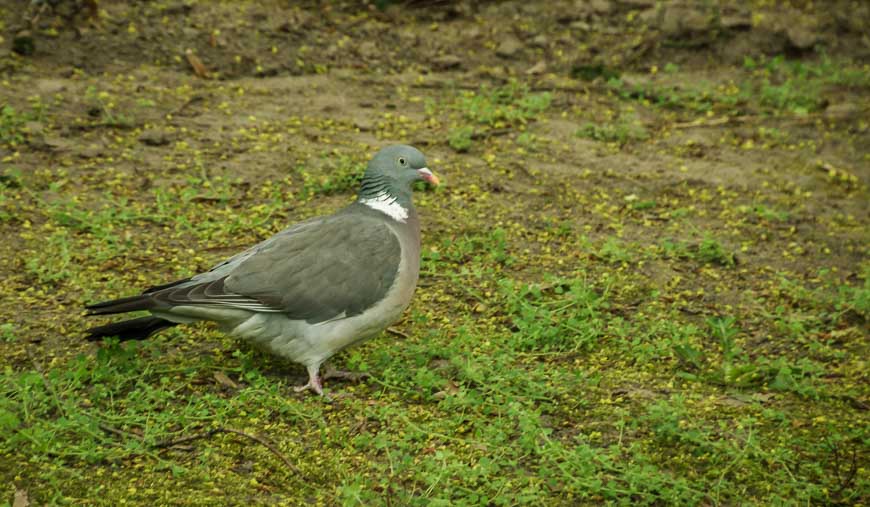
373, 184
388, 205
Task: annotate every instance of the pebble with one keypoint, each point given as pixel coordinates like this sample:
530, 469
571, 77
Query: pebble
154, 137
680, 21
508, 47
50, 86
446, 62
538, 68
540, 41
842, 111
601, 6
801, 37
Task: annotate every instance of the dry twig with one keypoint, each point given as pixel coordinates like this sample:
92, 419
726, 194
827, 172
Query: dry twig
398, 333
206, 434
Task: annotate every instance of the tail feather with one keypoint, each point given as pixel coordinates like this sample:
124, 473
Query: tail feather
123, 305
133, 329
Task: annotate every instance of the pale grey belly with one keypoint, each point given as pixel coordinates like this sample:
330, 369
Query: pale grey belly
310, 344
297, 340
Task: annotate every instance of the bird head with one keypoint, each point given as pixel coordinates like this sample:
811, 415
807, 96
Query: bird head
393, 170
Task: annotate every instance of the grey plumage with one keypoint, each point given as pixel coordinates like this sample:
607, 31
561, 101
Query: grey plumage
312, 289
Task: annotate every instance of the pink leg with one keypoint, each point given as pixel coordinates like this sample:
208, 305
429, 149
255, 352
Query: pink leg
313, 381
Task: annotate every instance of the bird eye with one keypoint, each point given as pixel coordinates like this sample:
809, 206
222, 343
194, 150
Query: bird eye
402, 161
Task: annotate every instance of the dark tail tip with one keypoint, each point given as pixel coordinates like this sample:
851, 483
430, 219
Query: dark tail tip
133, 329
123, 305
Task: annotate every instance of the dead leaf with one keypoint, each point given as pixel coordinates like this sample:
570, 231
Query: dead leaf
538, 68
224, 380
198, 67
449, 390
763, 397
837, 174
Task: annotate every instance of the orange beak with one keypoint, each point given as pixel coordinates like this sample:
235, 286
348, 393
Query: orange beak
427, 175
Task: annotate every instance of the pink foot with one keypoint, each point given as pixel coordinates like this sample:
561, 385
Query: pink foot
314, 381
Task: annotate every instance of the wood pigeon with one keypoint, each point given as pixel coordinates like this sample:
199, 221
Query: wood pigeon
311, 290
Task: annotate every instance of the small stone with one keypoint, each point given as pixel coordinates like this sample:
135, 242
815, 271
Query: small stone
446, 62
649, 17
679, 21
580, 25
363, 125
35, 134
736, 22
154, 137
409, 36
91, 151
178, 8
472, 33
66, 71
368, 49
842, 111
190, 32
801, 37
538, 68
601, 6
540, 41
696, 21
34, 128
50, 86
508, 47
55, 143
671, 25
582, 10
495, 72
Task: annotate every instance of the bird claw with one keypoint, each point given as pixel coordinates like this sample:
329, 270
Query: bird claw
315, 380
314, 384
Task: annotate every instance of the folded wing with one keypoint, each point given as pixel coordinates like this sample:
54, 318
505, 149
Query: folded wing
315, 271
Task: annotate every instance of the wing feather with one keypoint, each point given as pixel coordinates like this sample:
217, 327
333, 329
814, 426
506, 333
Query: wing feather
315, 271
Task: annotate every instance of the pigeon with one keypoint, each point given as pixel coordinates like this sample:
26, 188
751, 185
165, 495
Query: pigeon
311, 290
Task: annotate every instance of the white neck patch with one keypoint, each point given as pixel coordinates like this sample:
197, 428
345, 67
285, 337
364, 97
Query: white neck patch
387, 204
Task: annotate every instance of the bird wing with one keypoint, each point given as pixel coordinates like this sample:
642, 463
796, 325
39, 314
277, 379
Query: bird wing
315, 271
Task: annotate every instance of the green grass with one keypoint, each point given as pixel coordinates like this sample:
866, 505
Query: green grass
13, 124
737, 369
772, 85
103, 106
581, 334
514, 411
619, 133
510, 104
797, 86
581, 381
461, 138
488, 110
709, 250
